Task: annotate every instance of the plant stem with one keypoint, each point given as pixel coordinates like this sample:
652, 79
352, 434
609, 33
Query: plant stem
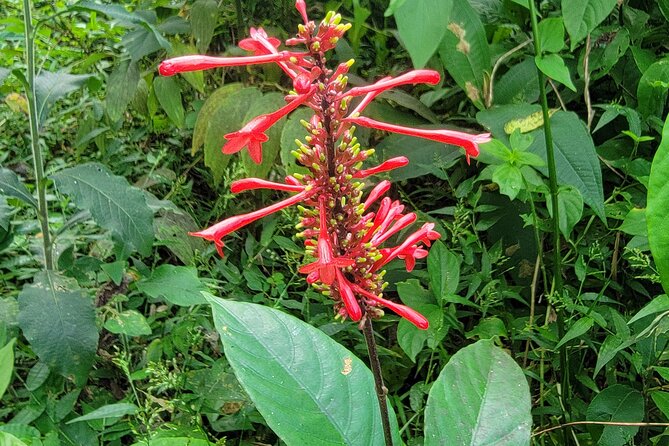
553, 185
38, 163
381, 390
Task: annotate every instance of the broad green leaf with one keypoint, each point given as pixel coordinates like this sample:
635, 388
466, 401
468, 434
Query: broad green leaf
6, 365
551, 34
392, 7
652, 89
411, 339
518, 85
112, 202
37, 376
49, 87
222, 113
611, 346
178, 285
420, 24
465, 54
580, 327
168, 93
203, 19
570, 204
11, 186
268, 103
488, 328
4, 72
481, 397
121, 86
7, 439
130, 323
583, 16
109, 411
308, 388
443, 268
575, 156
657, 210
658, 305
553, 66
509, 179
59, 323
616, 403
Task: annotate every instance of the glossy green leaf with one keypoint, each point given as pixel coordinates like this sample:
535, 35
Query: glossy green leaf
59, 322
11, 186
129, 323
268, 103
168, 93
112, 202
652, 89
661, 400
551, 34
664, 7
308, 388
553, 66
616, 403
420, 24
443, 268
109, 411
481, 397
121, 86
6, 365
583, 16
203, 19
465, 54
49, 87
488, 328
178, 285
657, 210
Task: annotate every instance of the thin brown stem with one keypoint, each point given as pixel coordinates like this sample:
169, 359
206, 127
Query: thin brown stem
601, 423
586, 81
381, 390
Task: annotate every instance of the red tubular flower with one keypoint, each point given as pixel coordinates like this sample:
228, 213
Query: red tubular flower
302, 9
327, 264
391, 164
412, 77
259, 43
257, 183
183, 64
348, 297
252, 134
410, 254
465, 140
377, 192
216, 232
407, 313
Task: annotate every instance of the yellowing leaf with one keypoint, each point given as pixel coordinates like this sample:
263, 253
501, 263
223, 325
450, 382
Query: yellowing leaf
527, 124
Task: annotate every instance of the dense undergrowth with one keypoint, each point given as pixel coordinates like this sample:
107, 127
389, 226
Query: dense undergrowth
116, 344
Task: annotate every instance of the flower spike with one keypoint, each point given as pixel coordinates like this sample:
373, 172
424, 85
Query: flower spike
344, 228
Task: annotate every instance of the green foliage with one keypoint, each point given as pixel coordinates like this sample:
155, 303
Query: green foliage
325, 393
658, 208
480, 397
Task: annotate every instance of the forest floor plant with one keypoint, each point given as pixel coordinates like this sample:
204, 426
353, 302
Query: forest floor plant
343, 232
